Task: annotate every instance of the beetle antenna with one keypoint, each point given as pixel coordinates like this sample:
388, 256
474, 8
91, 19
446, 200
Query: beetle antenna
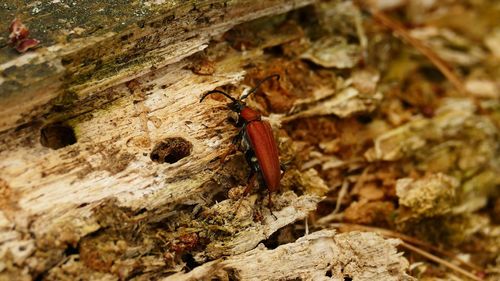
259, 83
216, 92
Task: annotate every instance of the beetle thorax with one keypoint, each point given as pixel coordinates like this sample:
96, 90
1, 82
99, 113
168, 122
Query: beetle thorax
249, 114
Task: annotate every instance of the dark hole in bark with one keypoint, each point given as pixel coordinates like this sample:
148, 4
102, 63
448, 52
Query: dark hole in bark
365, 119
57, 136
190, 261
70, 250
275, 50
220, 196
140, 211
82, 205
171, 150
329, 273
272, 242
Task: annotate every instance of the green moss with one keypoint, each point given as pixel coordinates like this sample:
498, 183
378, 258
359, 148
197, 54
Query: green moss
63, 21
51, 21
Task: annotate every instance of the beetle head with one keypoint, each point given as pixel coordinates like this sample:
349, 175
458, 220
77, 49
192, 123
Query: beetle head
236, 106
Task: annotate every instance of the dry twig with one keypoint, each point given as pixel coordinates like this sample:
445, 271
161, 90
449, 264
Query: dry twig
401, 31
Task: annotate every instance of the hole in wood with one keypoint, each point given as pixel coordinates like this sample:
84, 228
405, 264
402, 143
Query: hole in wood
71, 250
189, 261
272, 242
171, 150
365, 119
219, 196
57, 136
329, 273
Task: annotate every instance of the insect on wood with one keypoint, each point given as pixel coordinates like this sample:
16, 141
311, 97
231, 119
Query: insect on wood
256, 138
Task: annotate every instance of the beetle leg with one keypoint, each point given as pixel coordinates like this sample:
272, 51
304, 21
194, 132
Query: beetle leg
231, 150
270, 204
235, 144
237, 139
248, 188
283, 167
250, 182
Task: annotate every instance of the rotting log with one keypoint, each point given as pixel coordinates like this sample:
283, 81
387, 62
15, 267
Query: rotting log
87, 122
90, 46
322, 255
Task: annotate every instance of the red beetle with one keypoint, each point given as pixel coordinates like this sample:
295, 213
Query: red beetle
256, 137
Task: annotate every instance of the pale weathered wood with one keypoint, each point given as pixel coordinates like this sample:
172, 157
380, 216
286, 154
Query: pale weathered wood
106, 186
322, 255
50, 197
103, 44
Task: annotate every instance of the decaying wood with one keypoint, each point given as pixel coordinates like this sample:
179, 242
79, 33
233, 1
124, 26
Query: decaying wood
126, 91
322, 255
85, 57
409, 242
